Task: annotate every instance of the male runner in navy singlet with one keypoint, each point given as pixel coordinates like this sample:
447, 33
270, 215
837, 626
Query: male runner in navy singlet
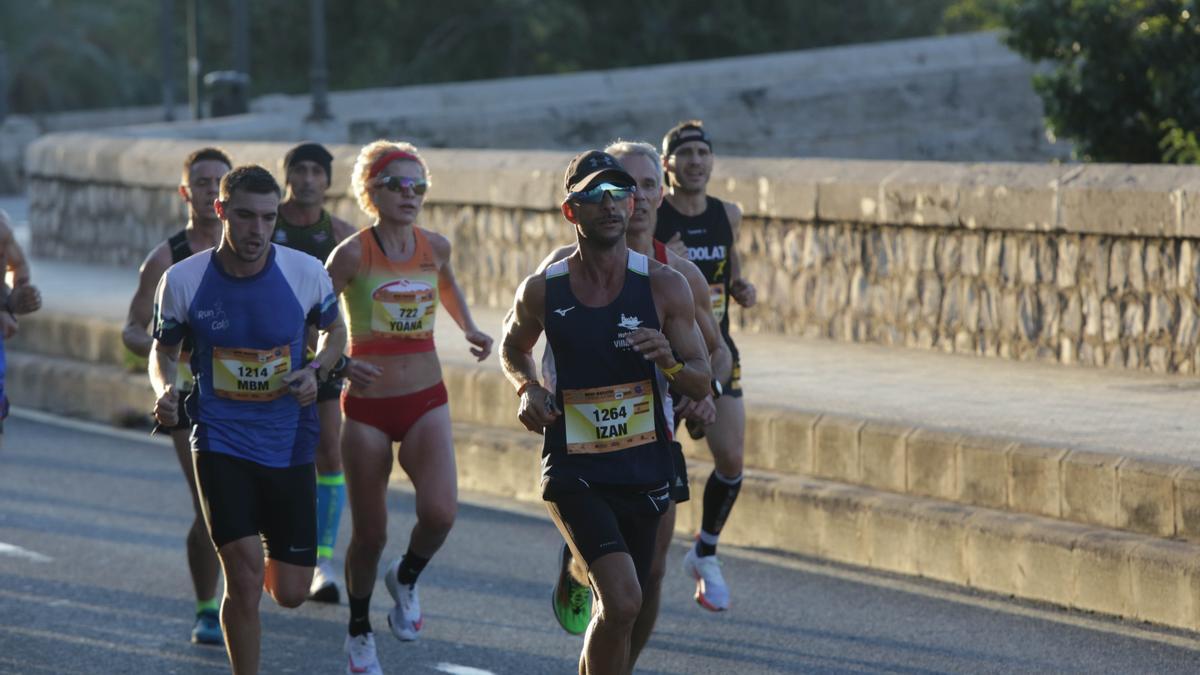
704, 229
614, 319
202, 172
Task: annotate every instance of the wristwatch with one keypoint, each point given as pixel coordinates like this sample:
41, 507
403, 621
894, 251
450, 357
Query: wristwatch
717, 389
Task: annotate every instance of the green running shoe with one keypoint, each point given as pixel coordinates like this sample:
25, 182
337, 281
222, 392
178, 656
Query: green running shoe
571, 600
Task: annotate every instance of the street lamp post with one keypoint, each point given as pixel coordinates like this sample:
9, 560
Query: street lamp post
166, 25
319, 75
194, 63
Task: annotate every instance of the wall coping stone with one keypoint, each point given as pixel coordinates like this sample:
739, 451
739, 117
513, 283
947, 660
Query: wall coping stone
1105, 199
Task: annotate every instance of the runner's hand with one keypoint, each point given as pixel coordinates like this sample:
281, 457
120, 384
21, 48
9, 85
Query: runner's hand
537, 410
677, 246
482, 342
166, 408
25, 299
704, 412
653, 346
362, 374
743, 292
303, 383
8, 325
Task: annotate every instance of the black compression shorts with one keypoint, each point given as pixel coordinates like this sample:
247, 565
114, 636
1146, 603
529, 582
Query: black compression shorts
241, 498
600, 521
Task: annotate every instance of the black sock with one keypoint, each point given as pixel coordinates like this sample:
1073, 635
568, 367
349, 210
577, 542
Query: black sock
719, 495
410, 568
360, 615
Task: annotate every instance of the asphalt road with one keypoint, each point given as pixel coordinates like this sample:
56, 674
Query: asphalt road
93, 580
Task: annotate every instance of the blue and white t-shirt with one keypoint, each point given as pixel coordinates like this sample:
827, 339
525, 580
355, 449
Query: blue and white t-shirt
248, 332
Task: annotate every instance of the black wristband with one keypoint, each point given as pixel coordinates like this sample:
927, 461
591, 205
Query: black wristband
717, 389
338, 371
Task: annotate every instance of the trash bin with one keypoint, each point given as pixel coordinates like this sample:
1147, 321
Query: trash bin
227, 92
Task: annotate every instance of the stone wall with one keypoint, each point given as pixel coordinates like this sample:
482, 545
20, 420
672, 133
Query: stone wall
1093, 265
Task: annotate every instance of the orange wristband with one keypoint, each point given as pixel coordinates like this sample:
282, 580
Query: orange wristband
521, 389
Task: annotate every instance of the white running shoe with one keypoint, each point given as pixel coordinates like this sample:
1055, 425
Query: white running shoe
361, 658
324, 584
405, 618
711, 592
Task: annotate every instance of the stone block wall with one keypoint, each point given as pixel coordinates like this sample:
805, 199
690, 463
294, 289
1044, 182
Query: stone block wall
1094, 265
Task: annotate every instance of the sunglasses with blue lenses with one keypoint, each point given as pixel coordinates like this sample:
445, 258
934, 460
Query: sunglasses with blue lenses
399, 183
596, 194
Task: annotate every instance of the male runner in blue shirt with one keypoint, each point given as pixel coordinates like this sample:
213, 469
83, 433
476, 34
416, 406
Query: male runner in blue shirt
246, 306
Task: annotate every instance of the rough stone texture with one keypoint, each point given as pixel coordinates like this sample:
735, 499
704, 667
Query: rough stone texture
982, 467
1091, 266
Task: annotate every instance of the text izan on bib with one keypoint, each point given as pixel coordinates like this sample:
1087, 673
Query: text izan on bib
251, 374
403, 308
606, 419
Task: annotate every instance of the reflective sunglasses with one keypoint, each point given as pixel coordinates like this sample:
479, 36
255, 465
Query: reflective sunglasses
398, 183
596, 194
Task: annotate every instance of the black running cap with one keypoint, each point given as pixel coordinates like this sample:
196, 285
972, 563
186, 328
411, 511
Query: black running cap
684, 132
588, 167
312, 152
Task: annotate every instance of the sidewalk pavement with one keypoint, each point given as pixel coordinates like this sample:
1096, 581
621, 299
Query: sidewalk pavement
1135, 414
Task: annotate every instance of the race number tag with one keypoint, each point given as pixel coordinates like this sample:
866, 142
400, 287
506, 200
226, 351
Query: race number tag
606, 419
251, 374
403, 308
183, 373
717, 293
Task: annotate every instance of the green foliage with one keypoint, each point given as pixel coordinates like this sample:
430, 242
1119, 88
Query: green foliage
1123, 86
80, 53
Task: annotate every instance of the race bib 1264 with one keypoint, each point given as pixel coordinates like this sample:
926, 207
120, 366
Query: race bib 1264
606, 419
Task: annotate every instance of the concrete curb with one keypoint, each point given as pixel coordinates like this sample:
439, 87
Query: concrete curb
1144, 577
1141, 495
1098, 570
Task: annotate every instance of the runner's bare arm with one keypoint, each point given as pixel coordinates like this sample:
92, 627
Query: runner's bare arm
15, 262
141, 307
452, 298
343, 263
522, 327
742, 291
679, 336
719, 358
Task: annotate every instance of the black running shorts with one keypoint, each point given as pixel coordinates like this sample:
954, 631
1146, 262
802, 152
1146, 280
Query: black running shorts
599, 521
241, 498
680, 491
329, 391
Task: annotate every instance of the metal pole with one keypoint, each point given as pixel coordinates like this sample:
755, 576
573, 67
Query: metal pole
166, 25
319, 75
241, 37
194, 63
3, 82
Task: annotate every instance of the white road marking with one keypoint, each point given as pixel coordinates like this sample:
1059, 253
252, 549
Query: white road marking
15, 551
455, 669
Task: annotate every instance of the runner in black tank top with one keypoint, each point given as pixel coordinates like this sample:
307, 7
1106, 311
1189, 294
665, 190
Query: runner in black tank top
605, 460
613, 433
706, 228
202, 172
305, 225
